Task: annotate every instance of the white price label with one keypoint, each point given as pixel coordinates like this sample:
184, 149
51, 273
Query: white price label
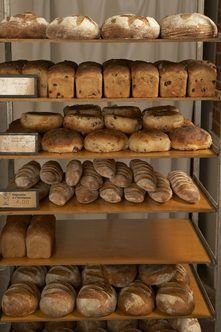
17, 86
18, 200
14, 143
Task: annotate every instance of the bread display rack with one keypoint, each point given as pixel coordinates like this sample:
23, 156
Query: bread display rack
192, 247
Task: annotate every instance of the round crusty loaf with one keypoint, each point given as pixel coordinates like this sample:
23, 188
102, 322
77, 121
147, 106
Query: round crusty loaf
136, 299
156, 274
119, 325
105, 167
181, 275
34, 274
60, 193
134, 193
149, 141
119, 275
130, 26
41, 121
27, 25
96, 300
73, 27
190, 138
163, 192
62, 140
73, 173
186, 324
51, 172
60, 273
92, 274
188, 25
105, 140
88, 325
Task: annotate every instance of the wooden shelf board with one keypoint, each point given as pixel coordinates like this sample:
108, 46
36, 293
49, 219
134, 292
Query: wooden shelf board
122, 241
208, 153
201, 310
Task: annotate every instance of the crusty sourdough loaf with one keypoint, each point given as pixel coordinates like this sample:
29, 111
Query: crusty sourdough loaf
60, 193
163, 192
119, 275
64, 273
156, 275
130, 26
92, 274
33, 274
73, 27
109, 192
119, 325
26, 25
134, 193
149, 141
73, 172
186, 325
89, 80
51, 172
145, 80
181, 275
28, 175
41, 121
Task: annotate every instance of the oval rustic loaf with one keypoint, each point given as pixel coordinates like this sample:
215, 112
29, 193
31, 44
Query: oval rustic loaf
28, 175
51, 172
105, 140
73, 173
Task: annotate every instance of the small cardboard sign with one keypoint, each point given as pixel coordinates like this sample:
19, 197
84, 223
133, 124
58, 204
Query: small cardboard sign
16, 199
18, 143
18, 86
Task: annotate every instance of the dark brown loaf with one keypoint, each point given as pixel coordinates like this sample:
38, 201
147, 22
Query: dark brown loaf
27, 326
90, 178
134, 193
12, 67
119, 275
92, 274
89, 80
51, 172
144, 175
41, 121
145, 80
73, 173
156, 274
181, 275
123, 176
84, 195
52, 325
16, 127
109, 192
183, 186
33, 274
43, 189
155, 325
60, 193
163, 192
149, 141
82, 109
132, 112
28, 175
105, 167
69, 274
118, 325
87, 325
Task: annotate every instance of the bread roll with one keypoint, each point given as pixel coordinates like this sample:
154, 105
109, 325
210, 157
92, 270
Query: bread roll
119, 325
156, 274
110, 192
188, 25
165, 118
40, 237
69, 274
73, 173
145, 80
73, 27
149, 141
89, 80
26, 25
62, 140
90, 178
43, 189
119, 275
144, 175
51, 172
33, 274
190, 138
183, 186
84, 195
134, 193
105, 167
96, 300
137, 299
181, 275
92, 274
27, 326
88, 325
57, 300
28, 175
130, 26
186, 324
41, 121
123, 176
105, 140
163, 193
60, 193
175, 299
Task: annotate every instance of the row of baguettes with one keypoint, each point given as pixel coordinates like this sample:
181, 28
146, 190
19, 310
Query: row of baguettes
118, 78
29, 25
110, 180
95, 294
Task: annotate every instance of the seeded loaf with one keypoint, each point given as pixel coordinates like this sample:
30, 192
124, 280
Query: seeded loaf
12, 67
145, 80
89, 80
149, 141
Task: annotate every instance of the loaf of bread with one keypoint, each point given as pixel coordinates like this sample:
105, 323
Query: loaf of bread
83, 118
84, 195
12, 67
68, 274
60, 193
137, 299
181, 275
13, 236
96, 300
27, 327
155, 325
52, 325
62, 140
41, 121
130, 26
90, 178
119, 325
186, 325
109, 192
156, 274
126, 119
165, 118
43, 189
105, 167
92, 274
117, 78
26, 25
88, 325
130, 329
149, 141
183, 186
144, 175
105, 140
61, 80
145, 80
40, 69
28, 175
163, 193
173, 79
119, 275
188, 25
57, 299
73, 27
40, 237
134, 193
20, 299
89, 80
32, 274
175, 299
51, 172
123, 176
16, 127
73, 173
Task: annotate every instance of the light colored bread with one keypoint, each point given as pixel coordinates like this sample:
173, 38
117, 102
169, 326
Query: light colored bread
149, 141
43, 189
62, 140
110, 192
60, 193
28, 175
123, 176
73, 173
68, 274
89, 80
188, 25
119, 325
181, 275
73, 27
163, 192
90, 178
119, 275
145, 80
130, 26
51, 172
186, 324
88, 325
33, 274
41, 121
156, 275
134, 193
105, 167
26, 25
92, 274
144, 175
84, 195
183, 186
105, 140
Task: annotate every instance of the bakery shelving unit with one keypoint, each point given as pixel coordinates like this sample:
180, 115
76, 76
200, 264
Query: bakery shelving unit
113, 237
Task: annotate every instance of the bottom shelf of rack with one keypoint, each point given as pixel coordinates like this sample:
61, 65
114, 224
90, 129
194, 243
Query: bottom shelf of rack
201, 310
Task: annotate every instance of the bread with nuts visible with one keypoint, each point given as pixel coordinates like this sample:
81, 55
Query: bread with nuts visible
41, 121
149, 141
105, 140
145, 80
